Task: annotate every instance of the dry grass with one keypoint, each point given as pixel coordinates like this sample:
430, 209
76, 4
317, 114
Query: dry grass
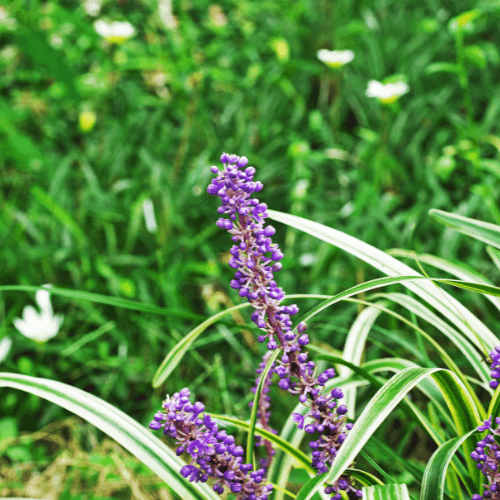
77, 466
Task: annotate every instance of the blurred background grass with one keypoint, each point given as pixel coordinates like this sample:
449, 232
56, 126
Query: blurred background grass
90, 130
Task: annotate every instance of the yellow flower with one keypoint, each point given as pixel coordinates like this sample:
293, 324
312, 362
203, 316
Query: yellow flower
86, 120
282, 49
116, 32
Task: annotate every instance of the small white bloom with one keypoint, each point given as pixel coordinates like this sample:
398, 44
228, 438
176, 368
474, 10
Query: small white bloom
92, 7
116, 32
307, 259
5, 345
149, 215
39, 326
335, 58
388, 93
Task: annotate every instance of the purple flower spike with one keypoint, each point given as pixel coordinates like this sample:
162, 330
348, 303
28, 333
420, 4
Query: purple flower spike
255, 259
487, 456
212, 451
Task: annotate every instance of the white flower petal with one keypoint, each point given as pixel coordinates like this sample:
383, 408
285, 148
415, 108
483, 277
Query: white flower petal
42, 298
5, 345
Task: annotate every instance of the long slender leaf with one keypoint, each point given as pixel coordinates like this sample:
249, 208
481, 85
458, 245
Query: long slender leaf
482, 231
125, 430
255, 408
435, 472
354, 348
104, 299
385, 401
469, 324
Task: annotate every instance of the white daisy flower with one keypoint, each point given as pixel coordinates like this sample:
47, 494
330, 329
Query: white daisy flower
115, 32
335, 58
39, 326
5, 345
388, 93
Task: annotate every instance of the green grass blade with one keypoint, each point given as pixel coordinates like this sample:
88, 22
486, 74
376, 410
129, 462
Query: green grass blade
435, 473
469, 324
255, 409
137, 439
104, 299
479, 230
386, 492
175, 355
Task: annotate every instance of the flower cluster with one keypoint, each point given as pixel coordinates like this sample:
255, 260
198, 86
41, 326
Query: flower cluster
487, 456
495, 367
255, 259
213, 452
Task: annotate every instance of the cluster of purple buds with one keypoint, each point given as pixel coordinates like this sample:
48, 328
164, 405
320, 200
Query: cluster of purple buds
213, 452
263, 413
255, 258
487, 456
495, 367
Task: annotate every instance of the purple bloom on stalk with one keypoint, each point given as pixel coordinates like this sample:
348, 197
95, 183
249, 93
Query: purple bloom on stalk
213, 453
495, 367
487, 456
255, 259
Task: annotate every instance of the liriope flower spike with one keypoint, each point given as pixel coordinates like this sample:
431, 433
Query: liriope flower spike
256, 258
495, 367
213, 452
487, 456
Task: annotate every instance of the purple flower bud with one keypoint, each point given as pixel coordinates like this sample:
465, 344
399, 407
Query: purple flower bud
198, 408
337, 393
301, 327
242, 162
214, 170
342, 410
284, 384
237, 451
310, 429
155, 425
224, 158
303, 340
277, 255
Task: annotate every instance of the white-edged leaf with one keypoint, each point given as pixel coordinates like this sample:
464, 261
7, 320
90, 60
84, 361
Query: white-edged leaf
469, 324
134, 437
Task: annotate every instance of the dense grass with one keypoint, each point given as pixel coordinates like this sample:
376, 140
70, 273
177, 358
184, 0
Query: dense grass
167, 103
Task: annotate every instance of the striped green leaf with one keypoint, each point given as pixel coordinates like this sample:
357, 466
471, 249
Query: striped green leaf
463, 344
386, 399
463, 319
482, 231
134, 437
435, 473
455, 268
354, 348
386, 492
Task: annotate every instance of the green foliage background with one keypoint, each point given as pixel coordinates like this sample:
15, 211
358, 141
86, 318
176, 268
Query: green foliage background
167, 103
